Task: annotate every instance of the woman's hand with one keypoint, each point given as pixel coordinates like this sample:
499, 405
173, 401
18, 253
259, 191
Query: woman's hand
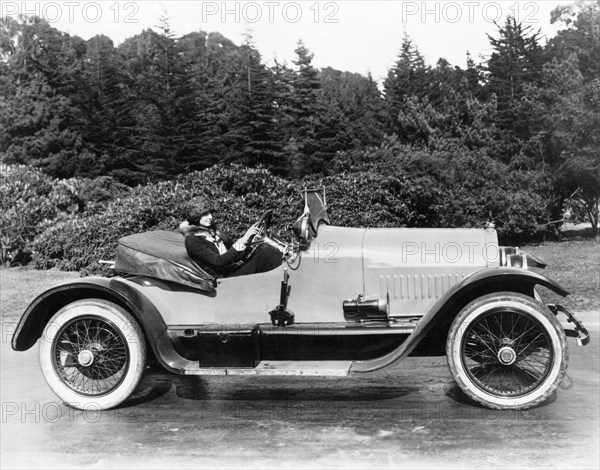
240, 245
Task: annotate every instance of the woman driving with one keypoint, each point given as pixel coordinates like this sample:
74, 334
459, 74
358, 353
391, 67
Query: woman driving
216, 253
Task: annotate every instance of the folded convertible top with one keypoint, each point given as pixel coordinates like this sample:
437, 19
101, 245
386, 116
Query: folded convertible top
161, 254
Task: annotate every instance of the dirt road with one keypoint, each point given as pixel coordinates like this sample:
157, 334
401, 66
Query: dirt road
413, 416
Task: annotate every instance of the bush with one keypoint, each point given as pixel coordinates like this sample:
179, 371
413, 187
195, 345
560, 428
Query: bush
26, 201
401, 186
33, 203
240, 195
102, 189
72, 224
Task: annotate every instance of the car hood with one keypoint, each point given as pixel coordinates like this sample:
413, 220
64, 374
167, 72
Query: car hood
412, 267
429, 247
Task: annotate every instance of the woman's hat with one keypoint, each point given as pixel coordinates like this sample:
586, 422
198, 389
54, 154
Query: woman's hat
198, 207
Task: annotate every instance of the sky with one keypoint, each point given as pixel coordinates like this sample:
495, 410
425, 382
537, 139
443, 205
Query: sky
353, 35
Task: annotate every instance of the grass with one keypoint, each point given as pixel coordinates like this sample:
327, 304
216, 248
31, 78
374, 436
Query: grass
575, 264
19, 286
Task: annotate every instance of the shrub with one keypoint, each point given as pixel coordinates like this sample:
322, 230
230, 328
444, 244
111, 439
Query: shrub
102, 189
25, 202
240, 195
390, 186
33, 203
424, 188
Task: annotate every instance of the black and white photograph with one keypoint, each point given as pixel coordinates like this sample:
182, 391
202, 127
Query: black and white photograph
300, 234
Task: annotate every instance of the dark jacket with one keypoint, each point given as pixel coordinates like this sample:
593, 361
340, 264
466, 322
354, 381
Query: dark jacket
206, 254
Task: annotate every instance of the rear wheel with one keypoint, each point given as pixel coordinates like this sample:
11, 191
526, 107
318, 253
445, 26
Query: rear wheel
507, 351
92, 354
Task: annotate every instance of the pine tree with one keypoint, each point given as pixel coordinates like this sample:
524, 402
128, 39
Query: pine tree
104, 110
215, 100
297, 107
405, 79
154, 84
254, 121
41, 67
352, 114
517, 61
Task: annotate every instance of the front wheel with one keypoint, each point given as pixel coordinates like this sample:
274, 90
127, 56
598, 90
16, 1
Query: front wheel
507, 351
92, 354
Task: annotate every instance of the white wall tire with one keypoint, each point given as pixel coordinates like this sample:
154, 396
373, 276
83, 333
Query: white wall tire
92, 354
507, 351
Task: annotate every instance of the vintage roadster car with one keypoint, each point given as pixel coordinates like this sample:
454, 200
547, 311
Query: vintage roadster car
345, 301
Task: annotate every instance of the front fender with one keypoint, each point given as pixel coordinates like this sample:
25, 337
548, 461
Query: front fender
483, 282
40, 311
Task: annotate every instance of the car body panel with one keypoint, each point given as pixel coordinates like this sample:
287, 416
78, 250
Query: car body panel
246, 299
39, 311
490, 280
340, 264
164, 307
416, 266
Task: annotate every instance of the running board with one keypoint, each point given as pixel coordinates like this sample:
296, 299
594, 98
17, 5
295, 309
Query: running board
316, 368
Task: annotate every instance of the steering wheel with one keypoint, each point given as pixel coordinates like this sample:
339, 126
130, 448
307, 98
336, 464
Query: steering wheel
264, 223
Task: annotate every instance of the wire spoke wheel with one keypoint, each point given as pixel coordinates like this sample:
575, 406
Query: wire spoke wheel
91, 355
507, 351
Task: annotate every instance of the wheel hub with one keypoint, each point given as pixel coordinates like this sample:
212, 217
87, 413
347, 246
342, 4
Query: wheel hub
85, 358
507, 355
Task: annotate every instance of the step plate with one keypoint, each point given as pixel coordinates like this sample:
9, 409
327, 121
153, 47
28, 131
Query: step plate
323, 368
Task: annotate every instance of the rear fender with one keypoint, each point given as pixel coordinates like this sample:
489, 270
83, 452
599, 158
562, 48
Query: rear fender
41, 310
441, 315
